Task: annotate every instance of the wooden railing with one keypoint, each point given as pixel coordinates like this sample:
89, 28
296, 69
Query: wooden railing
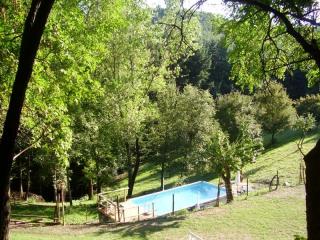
109, 205
110, 208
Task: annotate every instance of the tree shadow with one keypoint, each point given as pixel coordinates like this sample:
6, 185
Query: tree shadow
281, 139
144, 228
253, 171
288, 136
151, 177
32, 209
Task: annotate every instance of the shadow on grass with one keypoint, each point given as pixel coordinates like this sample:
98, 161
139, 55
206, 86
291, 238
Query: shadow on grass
281, 139
32, 209
208, 176
254, 171
286, 137
144, 228
151, 177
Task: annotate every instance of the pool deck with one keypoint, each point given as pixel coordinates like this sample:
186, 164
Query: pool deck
132, 214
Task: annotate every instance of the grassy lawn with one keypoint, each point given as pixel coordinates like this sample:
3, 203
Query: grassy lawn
81, 212
276, 215
283, 157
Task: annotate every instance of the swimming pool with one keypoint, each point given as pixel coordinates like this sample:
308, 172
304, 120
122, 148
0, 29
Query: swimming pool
184, 197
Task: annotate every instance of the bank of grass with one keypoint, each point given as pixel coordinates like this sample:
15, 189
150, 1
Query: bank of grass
276, 215
282, 156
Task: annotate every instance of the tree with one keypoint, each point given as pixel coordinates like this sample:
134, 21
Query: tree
183, 127
285, 35
194, 111
225, 156
164, 132
134, 67
46, 118
274, 108
237, 138
33, 29
309, 105
231, 109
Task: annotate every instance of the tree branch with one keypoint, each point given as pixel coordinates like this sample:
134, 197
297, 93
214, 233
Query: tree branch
311, 48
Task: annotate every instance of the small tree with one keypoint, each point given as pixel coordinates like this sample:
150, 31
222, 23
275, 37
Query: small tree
303, 124
274, 109
227, 156
309, 105
237, 138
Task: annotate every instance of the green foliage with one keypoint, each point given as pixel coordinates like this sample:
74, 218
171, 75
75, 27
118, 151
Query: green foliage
237, 138
274, 108
226, 156
271, 51
184, 125
235, 110
304, 123
309, 105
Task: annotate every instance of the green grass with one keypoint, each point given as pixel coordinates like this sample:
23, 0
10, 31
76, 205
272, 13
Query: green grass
277, 215
81, 212
283, 157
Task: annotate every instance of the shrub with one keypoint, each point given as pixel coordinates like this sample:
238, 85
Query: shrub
309, 105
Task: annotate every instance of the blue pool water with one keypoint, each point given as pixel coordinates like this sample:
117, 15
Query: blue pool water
184, 197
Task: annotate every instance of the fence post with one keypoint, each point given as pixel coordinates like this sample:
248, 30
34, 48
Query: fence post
218, 195
124, 219
138, 214
152, 210
247, 186
172, 204
119, 219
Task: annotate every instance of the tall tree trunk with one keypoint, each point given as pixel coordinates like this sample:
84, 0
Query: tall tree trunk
99, 184
26, 197
55, 188
21, 179
55, 195
312, 160
135, 168
69, 188
218, 194
33, 29
129, 168
98, 178
227, 182
273, 141
162, 175
90, 189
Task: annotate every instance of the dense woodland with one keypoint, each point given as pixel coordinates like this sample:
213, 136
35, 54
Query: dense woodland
117, 84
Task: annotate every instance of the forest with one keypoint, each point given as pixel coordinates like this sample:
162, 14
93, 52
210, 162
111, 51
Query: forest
93, 91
